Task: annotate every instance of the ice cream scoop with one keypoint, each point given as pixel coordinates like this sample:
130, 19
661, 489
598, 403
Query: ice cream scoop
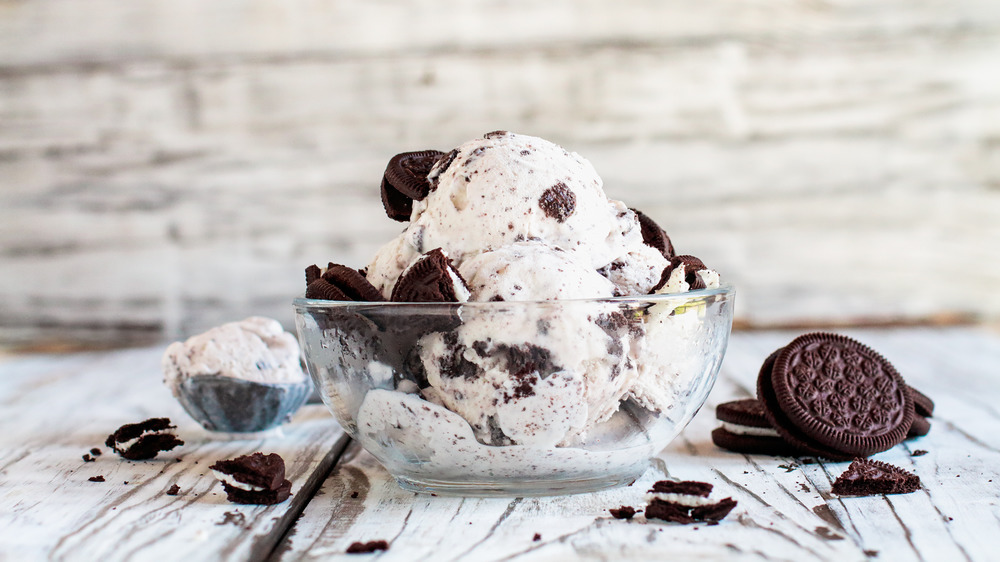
506, 189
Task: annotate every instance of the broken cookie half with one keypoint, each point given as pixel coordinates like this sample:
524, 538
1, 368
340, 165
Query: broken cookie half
254, 479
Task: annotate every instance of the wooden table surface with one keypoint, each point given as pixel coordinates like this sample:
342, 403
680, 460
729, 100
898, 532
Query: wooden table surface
55, 408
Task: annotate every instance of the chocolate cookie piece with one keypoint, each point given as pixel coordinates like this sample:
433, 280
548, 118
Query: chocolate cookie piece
340, 283
922, 404
256, 479
432, 278
143, 440
835, 397
686, 502
692, 266
405, 180
866, 477
653, 235
558, 202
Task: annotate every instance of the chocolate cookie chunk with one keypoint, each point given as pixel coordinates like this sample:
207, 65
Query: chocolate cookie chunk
835, 397
254, 479
692, 266
143, 440
558, 202
340, 283
405, 180
431, 278
866, 477
653, 235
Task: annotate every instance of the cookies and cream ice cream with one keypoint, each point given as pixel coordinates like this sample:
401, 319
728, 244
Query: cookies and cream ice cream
256, 349
509, 225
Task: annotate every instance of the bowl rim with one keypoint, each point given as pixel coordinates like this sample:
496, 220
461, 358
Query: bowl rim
726, 290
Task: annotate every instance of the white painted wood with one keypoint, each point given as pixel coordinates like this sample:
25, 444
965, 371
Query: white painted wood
54, 409
785, 511
182, 162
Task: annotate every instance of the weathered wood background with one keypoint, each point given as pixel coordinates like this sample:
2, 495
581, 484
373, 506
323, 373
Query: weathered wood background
172, 164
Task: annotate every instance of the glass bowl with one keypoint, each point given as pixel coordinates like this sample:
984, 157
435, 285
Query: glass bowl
516, 398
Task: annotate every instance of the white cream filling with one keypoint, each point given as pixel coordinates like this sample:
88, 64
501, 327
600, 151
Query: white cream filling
749, 430
462, 293
686, 500
227, 479
124, 445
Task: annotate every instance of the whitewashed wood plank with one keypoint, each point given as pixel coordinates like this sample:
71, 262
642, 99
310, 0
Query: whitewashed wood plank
54, 409
49, 32
824, 159
785, 511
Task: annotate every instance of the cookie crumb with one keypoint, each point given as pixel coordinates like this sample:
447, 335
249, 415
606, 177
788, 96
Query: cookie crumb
354, 495
366, 547
623, 512
97, 478
536, 538
88, 458
918, 453
174, 490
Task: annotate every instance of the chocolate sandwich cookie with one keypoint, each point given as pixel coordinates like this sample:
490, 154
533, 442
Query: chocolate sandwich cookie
143, 440
654, 236
866, 477
432, 278
745, 429
835, 397
405, 181
254, 479
685, 502
340, 283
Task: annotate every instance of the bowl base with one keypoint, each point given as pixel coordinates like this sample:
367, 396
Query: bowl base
516, 488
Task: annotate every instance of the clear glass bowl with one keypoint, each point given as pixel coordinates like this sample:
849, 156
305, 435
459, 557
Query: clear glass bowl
516, 398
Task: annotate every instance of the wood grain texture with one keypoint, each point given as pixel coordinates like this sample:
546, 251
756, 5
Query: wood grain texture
182, 162
54, 409
785, 510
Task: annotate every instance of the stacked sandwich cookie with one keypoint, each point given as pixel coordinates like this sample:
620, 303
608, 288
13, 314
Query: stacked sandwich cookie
824, 395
